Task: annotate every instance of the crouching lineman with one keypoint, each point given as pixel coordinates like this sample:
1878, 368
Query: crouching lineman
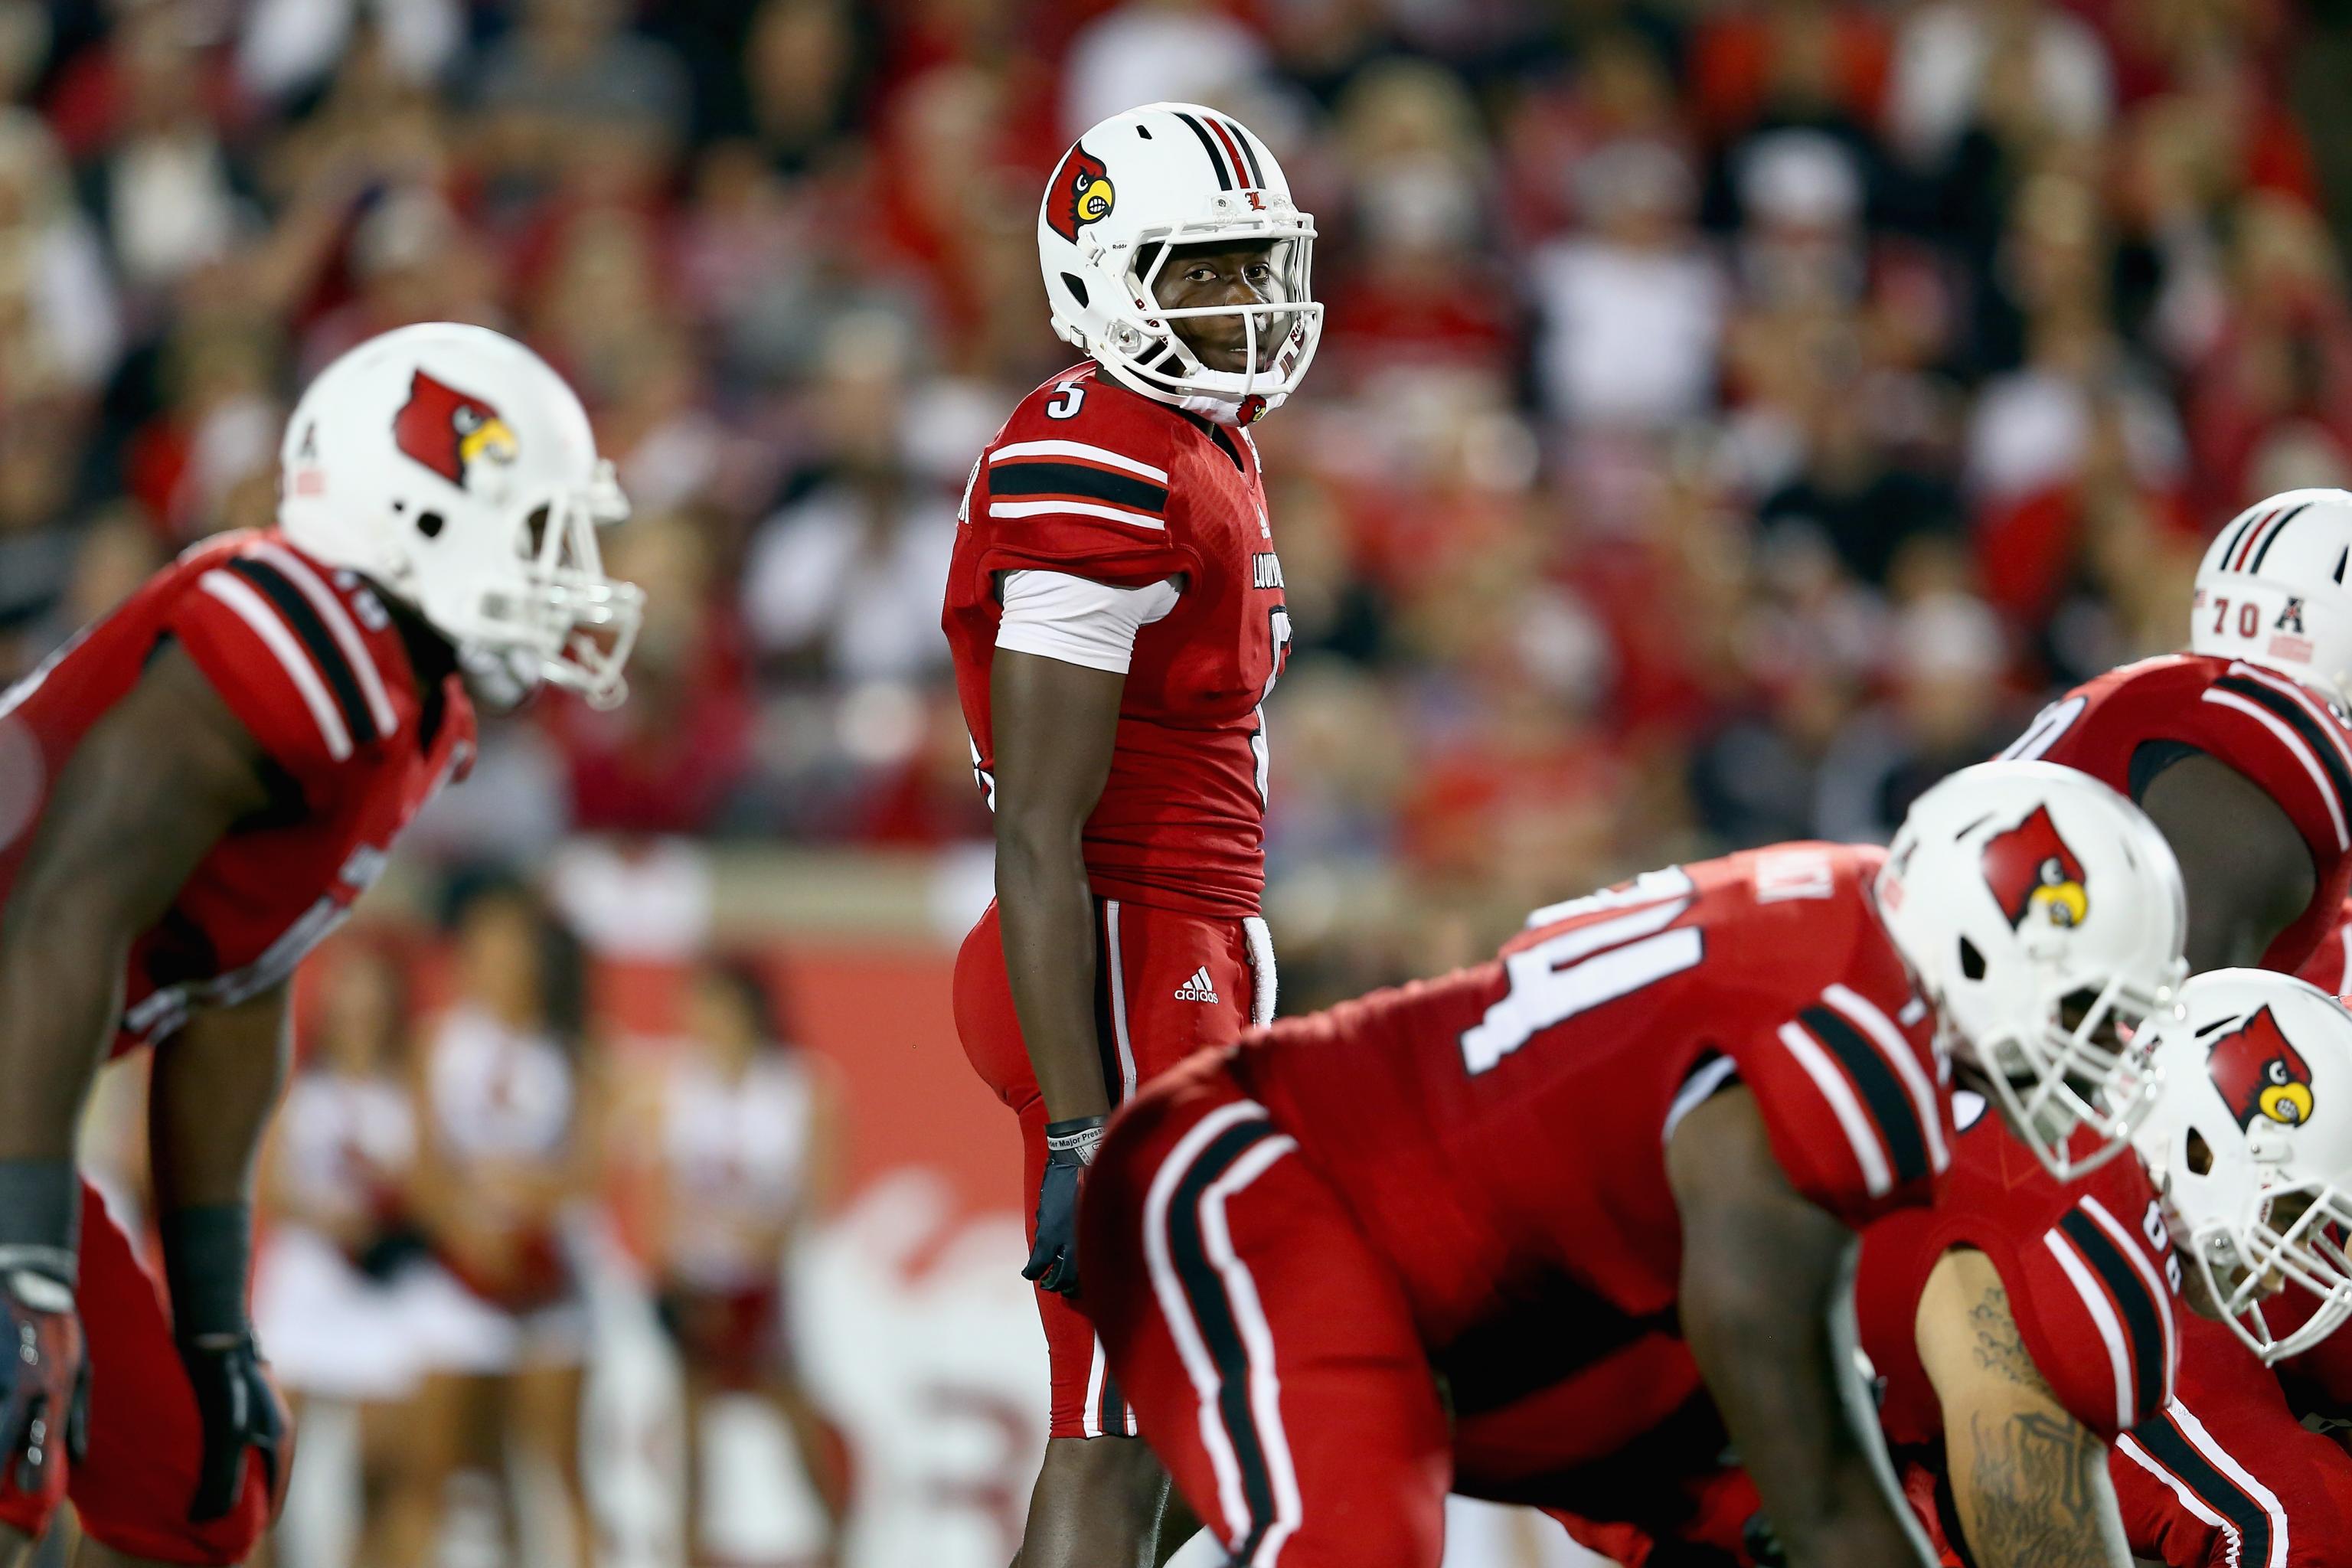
218, 769
1610, 1177
2251, 1145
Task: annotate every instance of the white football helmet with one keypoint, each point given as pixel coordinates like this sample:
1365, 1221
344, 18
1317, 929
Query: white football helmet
2044, 916
1127, 191
2271, 590
456, 470
2250, 1147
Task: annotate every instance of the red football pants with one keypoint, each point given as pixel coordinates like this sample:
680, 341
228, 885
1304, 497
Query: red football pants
1269, 1352
2225, 1474
132, 1488
1151, 1012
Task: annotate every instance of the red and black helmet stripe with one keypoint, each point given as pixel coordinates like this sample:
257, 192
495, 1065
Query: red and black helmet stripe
1249, 152
2255, 566
1216, 160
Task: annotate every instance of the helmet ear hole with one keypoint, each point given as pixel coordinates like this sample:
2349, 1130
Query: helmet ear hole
1078, 288
2199, 1154
1972, 963
429, 524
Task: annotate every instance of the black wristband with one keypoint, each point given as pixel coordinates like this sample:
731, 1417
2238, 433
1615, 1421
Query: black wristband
207, 1257
40, 1214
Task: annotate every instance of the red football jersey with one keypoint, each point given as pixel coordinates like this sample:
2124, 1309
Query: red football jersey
1500, 1133
2088, 1266
2290, 742
1091, 479
309, 659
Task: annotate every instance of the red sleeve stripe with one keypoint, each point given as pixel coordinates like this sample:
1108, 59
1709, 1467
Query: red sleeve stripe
1865, 1016
255, 612
1860, 1135
2158, 1291
2103, 1318
1074, 508
2259, 709
340, 625
1079, 451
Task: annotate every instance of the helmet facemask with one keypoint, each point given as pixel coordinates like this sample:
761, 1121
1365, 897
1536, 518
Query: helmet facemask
580, 623
2081, 1060
1279, 333
2291, 1233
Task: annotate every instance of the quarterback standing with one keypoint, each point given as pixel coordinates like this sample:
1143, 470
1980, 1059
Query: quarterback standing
199, 787
1116, 613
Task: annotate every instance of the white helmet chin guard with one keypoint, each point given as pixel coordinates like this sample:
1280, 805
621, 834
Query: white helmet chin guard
2271, 590
2251, 1150
454, 468
2044, 916
1124, 197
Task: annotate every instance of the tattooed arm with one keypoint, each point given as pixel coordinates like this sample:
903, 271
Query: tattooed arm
2030, 1481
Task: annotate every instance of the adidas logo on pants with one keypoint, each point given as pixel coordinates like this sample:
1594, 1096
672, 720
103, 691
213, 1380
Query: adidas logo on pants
1200, 988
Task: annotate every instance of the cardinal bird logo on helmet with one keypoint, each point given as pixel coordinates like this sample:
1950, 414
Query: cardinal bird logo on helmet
1082, 194
2260, 1073
451, 431
2030, 868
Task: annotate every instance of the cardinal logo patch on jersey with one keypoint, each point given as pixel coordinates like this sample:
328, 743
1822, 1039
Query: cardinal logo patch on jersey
1082, 194
2260, 1073
451, 431
2030, 870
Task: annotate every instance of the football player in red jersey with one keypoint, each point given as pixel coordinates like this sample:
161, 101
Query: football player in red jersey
2239, 749
1115, 609
198, 787
2251, 1145
1603, 1187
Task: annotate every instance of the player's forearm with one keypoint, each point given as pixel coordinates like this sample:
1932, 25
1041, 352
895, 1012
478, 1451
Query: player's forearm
1046, 915
2033, 1492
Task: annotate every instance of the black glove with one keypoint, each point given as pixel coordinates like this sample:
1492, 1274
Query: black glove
1054, 1255
240, 1409
44, 1409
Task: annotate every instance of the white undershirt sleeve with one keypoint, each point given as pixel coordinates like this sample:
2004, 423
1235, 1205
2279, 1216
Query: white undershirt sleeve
1077, 620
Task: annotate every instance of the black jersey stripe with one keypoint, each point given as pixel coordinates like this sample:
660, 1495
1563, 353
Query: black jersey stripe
1209, 145
2143, 1318
1898, 1118
2298, 718
1241, 140
2254, 566
1105, 1027
2247, 1517
1213, 1314
325, 652
1045, 477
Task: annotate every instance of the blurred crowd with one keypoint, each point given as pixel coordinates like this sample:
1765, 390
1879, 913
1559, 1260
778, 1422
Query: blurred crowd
1732, 414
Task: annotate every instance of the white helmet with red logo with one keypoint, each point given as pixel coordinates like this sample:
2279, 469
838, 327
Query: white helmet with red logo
1132, 188
2271, 590
456, 470
2042, 915
2252, 1149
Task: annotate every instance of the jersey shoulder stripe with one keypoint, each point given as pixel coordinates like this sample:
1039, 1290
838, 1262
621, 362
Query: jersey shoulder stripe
1869, 1153
2136, 1305
1884, 1033
1080, 452
2102, 1314
255, 611
2158, 1289
338, 618
303, 617
1890, 1107
1045, 477
2301, 731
